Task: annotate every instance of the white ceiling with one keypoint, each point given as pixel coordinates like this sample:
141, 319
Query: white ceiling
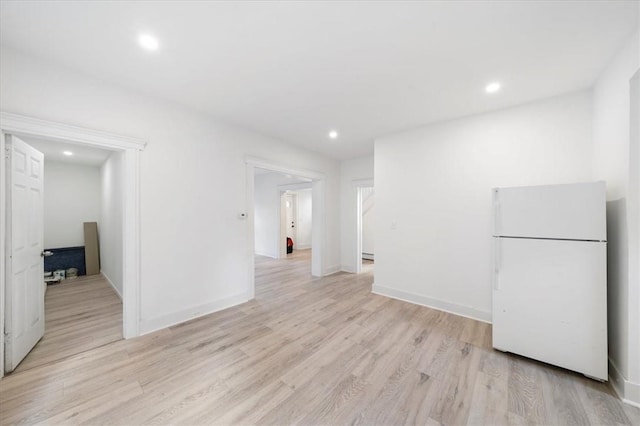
295, 70
82, 154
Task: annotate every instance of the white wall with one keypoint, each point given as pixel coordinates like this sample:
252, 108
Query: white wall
194, 248
633, 393
352, 172
267, 215
433, 195
615, 159
303, 227
71, 197
111, 215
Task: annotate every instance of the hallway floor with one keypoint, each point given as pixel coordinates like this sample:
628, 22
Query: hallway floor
310, 351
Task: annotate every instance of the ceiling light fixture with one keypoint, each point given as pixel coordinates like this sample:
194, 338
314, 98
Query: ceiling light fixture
148, 42
333, 134
67, 153
492, 87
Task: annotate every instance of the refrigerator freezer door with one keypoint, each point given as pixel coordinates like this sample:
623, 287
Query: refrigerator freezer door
573, 212
550, 302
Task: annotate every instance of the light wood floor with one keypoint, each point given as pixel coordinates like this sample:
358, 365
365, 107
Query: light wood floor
80, 314
309, 351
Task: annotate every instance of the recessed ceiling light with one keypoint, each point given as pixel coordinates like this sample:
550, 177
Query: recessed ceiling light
333, 134
67, 153
148, 42
492, 87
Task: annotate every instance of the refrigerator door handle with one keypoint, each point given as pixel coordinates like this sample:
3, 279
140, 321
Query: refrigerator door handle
496, 212
497, 262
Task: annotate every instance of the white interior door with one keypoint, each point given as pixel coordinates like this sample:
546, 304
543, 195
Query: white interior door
291, 212
24, 321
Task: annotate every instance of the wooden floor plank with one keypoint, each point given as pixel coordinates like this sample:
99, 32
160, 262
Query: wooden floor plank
81, 314
311, 351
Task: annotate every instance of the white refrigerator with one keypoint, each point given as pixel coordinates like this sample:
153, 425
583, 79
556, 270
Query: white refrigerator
550, 275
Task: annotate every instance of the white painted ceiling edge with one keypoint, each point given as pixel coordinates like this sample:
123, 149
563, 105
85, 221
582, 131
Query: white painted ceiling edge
296, 70
80, 154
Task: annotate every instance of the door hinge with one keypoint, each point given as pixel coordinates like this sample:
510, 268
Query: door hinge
7, 152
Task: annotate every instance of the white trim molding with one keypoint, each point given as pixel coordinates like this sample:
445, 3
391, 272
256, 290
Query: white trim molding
357, 186
627, 391
330, 270
164, 321
347, 268
295, 186
262, 163
131, 148
429, 302
362, 183
20, 124
265, 254
131, 259
3, 186
106, 277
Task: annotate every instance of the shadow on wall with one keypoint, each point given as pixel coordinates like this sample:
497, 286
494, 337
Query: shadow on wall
617, 280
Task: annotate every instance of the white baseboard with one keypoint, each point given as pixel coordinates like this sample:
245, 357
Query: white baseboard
164, 321
441, 305
302, 246
259, 253
367, 256
627, 391
111, 284
347, 268
331, 270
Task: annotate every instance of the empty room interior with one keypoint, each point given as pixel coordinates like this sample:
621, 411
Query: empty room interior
320, 212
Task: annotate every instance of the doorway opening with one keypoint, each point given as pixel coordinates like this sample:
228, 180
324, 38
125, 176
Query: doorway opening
275, 184
16, 314
82, 240
296, 218
283, 211
367, 242
365, 218
290, 216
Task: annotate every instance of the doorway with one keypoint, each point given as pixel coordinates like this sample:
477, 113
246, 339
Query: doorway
81, 211
291, 220
365, 225
129, 149
296, 218
282, 214
312, 181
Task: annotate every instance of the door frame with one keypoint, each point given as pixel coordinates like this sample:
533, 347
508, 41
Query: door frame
130, 147
359, 184
318, 235
284, 189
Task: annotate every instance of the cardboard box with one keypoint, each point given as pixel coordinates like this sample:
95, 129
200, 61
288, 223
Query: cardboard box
91, 248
